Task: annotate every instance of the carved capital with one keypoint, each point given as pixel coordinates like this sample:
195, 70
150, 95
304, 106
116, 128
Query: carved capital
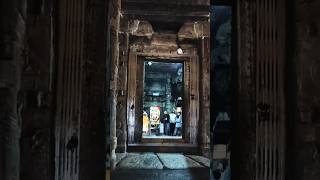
194, 30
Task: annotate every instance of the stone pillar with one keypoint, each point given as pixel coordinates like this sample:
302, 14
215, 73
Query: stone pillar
303, 103
168, 94
122, 94
12, 40
243, 136
205, 96
114, 39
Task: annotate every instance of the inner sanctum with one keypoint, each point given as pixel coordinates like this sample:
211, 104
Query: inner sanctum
163, 99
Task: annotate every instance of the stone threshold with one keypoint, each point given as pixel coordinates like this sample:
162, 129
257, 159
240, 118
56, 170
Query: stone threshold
164, 148
150, 160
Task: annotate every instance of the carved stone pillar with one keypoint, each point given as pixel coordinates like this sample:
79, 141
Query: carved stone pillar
168, 94
205, 96
114, 38
122, 95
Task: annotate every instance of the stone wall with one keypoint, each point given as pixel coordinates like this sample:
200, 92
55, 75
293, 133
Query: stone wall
303, 91
37, 94
28, 90
12, 48
243, 136
95, 83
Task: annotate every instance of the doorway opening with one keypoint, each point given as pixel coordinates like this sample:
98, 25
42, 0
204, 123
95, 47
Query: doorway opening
163, 100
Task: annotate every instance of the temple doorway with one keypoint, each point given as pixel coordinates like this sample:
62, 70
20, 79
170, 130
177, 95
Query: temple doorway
163, 100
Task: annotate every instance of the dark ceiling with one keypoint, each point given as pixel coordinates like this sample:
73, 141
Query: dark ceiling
166, 26
167, 14
160, 68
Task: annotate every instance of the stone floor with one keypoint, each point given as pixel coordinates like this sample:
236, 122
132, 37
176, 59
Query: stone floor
161, 166
160, 161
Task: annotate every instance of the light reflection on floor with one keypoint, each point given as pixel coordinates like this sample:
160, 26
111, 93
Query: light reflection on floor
152, 136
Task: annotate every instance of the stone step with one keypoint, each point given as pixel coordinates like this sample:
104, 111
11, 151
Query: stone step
164, 148
164, 174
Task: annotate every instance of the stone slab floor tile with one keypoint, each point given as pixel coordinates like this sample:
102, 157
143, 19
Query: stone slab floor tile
203, 160
140, 161
177, 161
120, 156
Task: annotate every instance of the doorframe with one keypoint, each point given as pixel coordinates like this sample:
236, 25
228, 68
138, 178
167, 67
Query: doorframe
183, 61
191, 95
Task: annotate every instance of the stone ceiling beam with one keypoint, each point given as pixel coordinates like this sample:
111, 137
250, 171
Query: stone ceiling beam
149, 7
167, 17
194, 30
177, 2
167, 11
